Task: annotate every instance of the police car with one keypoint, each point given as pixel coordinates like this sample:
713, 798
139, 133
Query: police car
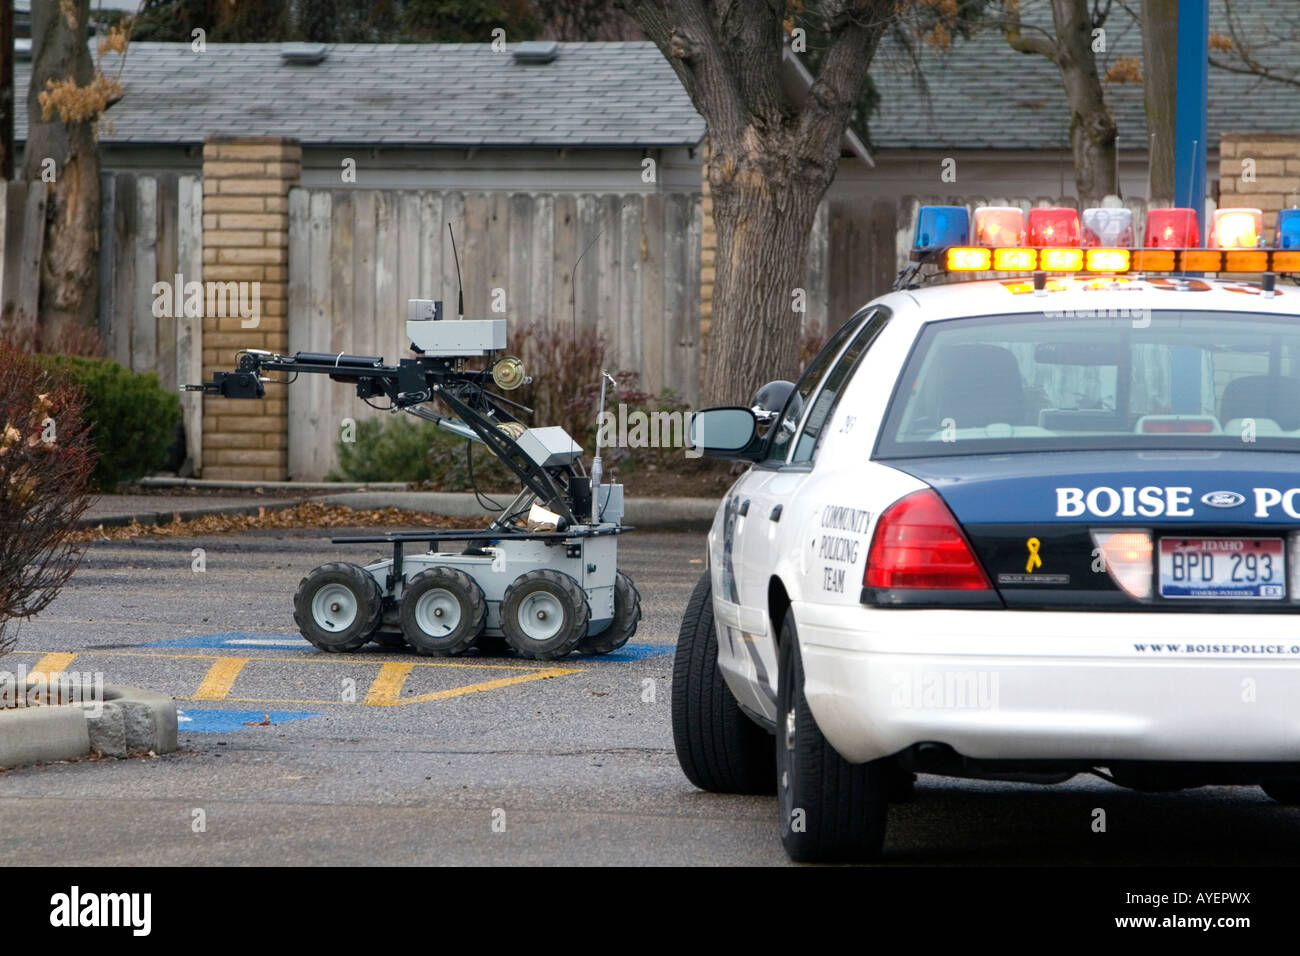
1019, 527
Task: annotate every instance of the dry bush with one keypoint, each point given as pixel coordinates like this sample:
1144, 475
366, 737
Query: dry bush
45, 467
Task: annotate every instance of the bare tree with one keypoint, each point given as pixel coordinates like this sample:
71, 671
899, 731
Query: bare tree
6, 90
1072, 45
66, 98
1159, 20
771, 160
1240, 51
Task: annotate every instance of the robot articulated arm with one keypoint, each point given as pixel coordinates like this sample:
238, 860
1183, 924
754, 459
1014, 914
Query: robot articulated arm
543, 460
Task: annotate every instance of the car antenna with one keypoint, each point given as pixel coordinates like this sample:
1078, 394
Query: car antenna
460, 289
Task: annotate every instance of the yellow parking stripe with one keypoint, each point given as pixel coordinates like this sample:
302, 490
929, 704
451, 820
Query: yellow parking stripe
50, 664
220, 678
490, 685
386, 688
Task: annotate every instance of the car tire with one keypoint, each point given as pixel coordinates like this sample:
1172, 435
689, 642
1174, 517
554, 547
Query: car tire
832, 811
544, 615
627, 614
338, 607
719, 748
1283, 791
442, 612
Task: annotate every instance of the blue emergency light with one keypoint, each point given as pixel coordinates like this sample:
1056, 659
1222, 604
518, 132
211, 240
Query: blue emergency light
940, 226
1288, 229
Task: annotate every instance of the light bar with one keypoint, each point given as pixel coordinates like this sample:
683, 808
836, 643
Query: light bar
1237, 229
1113, 261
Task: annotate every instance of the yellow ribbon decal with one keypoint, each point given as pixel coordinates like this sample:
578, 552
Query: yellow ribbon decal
1034, 560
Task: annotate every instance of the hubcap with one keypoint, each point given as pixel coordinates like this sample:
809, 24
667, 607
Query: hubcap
541, 616
437, 612
334, 607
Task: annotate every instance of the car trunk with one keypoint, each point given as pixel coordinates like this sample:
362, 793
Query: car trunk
1204, 530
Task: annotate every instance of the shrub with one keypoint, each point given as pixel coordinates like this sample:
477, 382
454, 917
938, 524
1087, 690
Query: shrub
131, 417
45, 465
399, 449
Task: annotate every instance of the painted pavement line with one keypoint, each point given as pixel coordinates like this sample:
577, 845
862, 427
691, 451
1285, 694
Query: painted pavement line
220, 678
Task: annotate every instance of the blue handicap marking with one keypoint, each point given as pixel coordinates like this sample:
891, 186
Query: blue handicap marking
628, 652
232, 640
257, 642
201, 721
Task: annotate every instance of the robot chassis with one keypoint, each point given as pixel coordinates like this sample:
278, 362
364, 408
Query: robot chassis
543, 593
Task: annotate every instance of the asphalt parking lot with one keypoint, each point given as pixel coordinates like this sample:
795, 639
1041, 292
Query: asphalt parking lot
291, 756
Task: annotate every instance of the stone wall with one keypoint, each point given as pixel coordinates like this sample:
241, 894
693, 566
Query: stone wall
1260, 170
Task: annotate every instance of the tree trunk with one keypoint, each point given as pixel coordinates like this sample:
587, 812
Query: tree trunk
764, 202
1160, 75
69, 266
1092, 127
6, 90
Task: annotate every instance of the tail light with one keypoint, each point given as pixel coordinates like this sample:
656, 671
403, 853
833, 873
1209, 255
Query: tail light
918, 544
1127, 555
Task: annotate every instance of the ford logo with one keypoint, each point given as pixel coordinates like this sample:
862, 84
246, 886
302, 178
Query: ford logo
1223, 499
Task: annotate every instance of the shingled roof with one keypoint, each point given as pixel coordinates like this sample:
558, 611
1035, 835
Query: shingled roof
984, 95
591, 95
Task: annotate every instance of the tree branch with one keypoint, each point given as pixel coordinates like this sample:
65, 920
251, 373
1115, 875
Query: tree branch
1016, 39
684, 34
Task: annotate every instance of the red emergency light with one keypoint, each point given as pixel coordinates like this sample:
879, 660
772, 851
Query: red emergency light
1053, 226
1172, 229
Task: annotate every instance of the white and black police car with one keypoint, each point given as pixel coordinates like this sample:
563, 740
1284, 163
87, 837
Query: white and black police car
1018, 527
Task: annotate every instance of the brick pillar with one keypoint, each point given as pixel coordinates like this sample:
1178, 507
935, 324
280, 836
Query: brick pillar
1273, 159
246, 182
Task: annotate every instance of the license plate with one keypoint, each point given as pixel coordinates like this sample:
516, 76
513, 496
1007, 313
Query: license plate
1235, 568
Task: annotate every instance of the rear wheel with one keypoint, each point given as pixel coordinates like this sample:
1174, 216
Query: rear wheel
832, 811
442, 612
718, 747
338, 606
1283, 791
544, 614
627, 614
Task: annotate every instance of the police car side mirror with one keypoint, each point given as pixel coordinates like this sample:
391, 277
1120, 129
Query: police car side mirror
726, 432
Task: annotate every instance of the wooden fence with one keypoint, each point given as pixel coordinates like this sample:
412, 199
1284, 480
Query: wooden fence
22, 230
626, 267
151, 231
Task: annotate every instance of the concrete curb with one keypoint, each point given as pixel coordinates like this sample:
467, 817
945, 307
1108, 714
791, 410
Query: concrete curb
42, 734
133, 719
186, 514
163, 481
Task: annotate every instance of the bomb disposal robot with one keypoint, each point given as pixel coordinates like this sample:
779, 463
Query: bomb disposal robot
1019, 527
543, 592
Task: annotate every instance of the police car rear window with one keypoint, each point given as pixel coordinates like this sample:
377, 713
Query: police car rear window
1152, 380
